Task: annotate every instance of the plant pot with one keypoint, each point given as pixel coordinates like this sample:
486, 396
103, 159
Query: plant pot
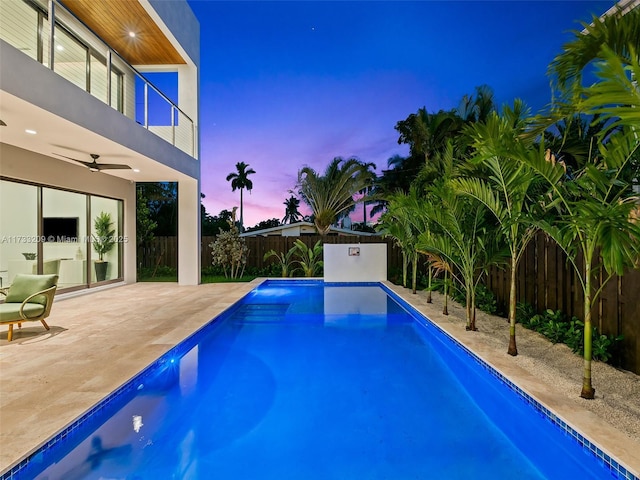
101, 271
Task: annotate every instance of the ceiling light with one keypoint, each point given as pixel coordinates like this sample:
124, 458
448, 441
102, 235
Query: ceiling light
30, 132
132, 34
59, 48
136, 170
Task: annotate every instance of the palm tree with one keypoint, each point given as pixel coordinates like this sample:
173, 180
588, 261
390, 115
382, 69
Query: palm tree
461, 234
477, 109
617, 95
240, 180
427, 133
573, 138
399, 223
291, 212
596, 206
595, 213
331, 194
368, 189
454, 228
618, 34
506, 191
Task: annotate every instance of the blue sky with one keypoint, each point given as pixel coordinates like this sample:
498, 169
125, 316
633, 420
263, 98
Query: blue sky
291, 83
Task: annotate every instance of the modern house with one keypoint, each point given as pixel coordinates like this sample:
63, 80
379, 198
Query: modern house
94, 97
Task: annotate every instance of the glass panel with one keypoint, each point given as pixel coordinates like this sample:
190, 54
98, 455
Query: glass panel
184, 133
107, 242
45, 35
70, 60
64, 231
139, 100
19, 26
116, 91
98, 78
18, 230
157, 108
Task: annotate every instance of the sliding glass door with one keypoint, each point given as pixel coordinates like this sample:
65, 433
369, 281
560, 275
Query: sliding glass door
46, 230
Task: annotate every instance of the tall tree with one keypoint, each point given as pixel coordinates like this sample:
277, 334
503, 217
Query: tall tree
616, 96
507, 190
162, 202
291, 212
597, 204
618, 34
330, 194
477, 108
264, 224
240, 180
398, 224
460, 232
145, 225
426, 133
595, 214
214, 224
367, 191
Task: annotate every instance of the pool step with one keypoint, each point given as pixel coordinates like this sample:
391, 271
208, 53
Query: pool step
261, 312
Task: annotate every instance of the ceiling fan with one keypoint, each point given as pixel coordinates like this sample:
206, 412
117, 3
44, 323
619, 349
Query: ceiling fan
95, 166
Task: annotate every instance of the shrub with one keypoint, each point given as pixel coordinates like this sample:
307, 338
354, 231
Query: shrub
486, 300
524, 312
574, 337
554, 330
554, 326
230, 252
602, 346
309, 258
284, 261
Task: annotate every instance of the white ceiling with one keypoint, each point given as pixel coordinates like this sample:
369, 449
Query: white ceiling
56, 135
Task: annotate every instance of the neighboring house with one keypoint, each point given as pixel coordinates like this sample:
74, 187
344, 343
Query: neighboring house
77, 77
302, 228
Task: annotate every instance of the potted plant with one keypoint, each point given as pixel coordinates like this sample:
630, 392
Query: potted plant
103, 242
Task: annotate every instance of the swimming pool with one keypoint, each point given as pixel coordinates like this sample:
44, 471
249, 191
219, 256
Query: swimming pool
315, 381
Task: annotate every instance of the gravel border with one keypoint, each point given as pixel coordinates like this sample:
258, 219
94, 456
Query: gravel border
617, 396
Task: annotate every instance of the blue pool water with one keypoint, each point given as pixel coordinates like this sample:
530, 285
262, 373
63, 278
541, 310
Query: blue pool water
306, 380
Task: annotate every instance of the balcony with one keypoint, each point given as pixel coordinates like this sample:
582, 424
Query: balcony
55, 37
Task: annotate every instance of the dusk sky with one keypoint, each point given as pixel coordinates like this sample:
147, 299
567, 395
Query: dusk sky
291, 83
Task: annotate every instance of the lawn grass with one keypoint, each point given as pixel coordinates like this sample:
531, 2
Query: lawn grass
205, 278
223, 279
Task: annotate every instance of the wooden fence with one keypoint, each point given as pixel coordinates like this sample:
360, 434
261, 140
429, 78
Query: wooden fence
545, 280
163, 251
258, 246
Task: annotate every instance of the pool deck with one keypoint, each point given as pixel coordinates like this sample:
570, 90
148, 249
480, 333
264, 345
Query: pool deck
100, 340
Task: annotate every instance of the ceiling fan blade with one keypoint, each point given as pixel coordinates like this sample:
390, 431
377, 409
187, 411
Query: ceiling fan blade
111, 166
86, 164
95, 166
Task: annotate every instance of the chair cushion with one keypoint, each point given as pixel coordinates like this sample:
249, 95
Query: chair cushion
24, 285
9, 312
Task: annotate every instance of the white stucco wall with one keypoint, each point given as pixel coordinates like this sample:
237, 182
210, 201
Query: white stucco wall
188, 232
369, 265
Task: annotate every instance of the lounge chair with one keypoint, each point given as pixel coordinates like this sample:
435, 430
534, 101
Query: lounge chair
28, 298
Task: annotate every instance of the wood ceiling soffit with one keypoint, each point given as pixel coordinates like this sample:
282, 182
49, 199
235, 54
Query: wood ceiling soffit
112, 20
